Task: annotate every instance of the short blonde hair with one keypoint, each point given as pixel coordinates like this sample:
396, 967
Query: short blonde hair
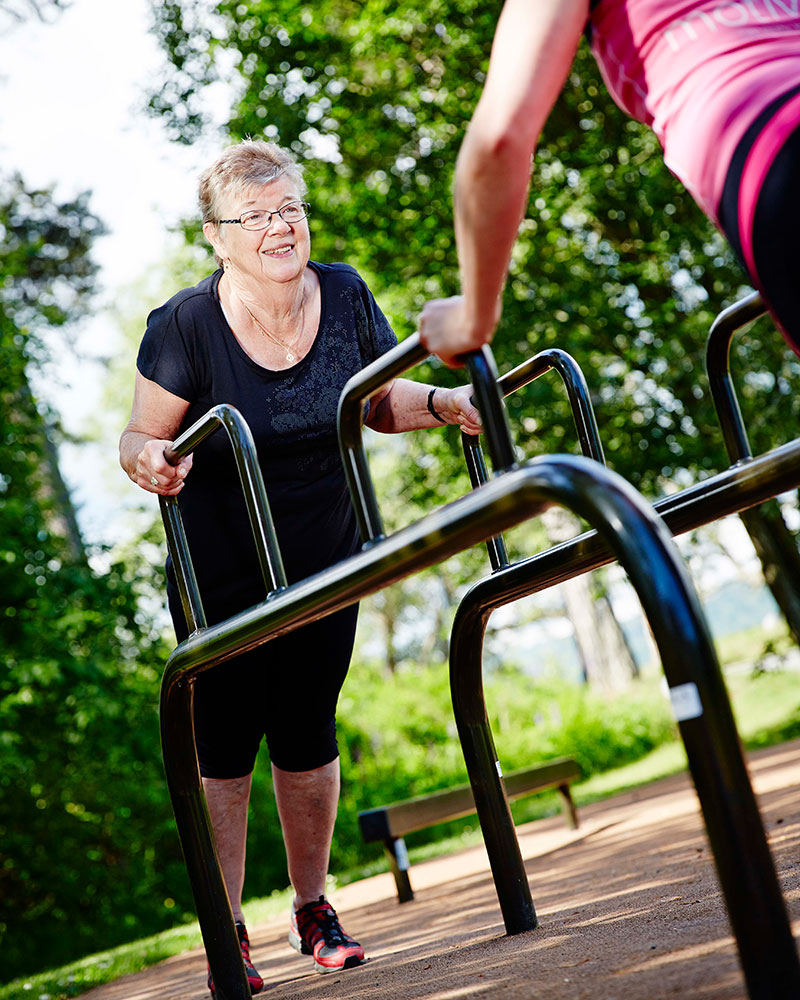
247, 163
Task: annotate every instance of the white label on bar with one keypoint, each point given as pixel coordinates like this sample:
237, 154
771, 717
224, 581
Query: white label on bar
401, 854
499, 769
686, 702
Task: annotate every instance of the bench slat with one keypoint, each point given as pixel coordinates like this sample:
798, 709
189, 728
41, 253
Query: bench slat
400, 818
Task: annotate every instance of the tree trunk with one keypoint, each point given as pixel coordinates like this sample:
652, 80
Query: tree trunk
62, 518
776, 547
607, 663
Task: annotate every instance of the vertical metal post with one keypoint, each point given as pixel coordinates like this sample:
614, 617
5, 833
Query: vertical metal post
189, 592
478, 474
483, 373
718, 349
483, 768
197, 841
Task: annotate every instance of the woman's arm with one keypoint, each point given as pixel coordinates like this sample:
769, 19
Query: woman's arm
403, 406
532, 53
155, 419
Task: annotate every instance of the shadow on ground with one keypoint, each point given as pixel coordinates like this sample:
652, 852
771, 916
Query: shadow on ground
629, 909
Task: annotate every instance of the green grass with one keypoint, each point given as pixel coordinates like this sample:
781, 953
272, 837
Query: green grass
76, 978
767, 709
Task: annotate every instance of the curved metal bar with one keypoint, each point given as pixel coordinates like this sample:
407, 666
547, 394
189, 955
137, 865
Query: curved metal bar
577, 392
732, 491
369, 381
177, 543
723, 393
478, 474
244, 450
582, 415
700, 705
505, 501
481, 367
349, 421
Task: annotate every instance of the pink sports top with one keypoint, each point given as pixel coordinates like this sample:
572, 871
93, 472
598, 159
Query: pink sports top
699, 73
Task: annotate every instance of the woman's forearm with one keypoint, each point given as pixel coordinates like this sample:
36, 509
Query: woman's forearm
405, 407
532, 53
533, 49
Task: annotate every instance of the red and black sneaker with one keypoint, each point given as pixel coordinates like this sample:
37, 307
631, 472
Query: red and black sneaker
315, 930
253, 978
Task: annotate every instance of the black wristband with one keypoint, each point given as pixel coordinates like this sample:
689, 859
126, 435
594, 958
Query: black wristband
431, 408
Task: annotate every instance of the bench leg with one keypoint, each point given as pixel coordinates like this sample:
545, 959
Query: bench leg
398, 861
568, 807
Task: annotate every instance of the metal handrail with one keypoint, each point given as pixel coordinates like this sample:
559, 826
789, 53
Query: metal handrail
266, 540
370, 380
718, 348
554, 359
583, 417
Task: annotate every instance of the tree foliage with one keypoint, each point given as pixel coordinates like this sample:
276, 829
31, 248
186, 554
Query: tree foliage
82, 803
615, 263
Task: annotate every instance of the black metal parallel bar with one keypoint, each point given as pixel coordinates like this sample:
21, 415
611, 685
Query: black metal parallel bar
191, 812
718, 368
470, 520
700, 705
582, 415
244, 450
357, 391
577, 392
479, 474
730, 492
467, 521
483, 373
189, 592
515, 496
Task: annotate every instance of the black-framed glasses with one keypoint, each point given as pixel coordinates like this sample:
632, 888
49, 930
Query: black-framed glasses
260, 218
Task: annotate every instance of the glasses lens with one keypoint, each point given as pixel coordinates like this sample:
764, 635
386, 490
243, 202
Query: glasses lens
256, 219
293, 212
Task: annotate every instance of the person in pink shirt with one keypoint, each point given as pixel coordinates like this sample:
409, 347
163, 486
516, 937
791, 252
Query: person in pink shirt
719, 83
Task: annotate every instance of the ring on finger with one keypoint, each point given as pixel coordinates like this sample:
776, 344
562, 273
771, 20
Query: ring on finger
153, 481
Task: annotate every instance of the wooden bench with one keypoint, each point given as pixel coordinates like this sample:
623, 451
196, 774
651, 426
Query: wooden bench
391, 823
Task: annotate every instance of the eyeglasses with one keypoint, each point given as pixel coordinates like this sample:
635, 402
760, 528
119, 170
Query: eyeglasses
260, 218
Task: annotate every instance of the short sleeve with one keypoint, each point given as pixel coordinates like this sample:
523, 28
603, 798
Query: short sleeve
167, 355
383, 335
377, 337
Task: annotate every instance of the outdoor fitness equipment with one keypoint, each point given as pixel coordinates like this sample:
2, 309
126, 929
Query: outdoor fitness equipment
745, 869
632, 531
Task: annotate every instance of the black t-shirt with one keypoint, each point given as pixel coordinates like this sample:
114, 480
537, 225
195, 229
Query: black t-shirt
189, 349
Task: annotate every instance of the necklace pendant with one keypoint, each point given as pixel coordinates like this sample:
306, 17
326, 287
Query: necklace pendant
289, 356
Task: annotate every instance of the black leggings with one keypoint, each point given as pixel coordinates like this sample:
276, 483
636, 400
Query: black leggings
284, 691
760, 209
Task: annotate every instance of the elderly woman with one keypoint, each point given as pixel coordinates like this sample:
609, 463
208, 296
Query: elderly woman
277, 335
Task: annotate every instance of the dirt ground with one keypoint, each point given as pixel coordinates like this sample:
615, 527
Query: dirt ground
628, 904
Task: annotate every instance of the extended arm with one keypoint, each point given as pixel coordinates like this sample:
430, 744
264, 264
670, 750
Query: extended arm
155, 419
532, 53
403, 406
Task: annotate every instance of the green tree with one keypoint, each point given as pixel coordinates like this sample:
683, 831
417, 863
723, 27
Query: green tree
83, 811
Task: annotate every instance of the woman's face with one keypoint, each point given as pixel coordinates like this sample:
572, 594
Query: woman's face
278, 253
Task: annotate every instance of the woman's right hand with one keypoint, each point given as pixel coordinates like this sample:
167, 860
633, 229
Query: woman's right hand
154, 473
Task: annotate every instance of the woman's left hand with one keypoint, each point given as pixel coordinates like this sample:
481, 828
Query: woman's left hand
456, 406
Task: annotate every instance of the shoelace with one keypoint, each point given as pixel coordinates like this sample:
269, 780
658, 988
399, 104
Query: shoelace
328, 924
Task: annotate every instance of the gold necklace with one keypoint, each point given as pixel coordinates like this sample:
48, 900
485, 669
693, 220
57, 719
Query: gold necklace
290, 355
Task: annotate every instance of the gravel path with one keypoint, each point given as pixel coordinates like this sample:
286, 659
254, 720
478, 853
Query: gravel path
629, 909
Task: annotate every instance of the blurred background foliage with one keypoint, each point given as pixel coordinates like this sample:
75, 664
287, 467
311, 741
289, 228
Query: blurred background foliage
614, 263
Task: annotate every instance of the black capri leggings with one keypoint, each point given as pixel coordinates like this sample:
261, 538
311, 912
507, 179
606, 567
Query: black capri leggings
284, 691
760, 209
